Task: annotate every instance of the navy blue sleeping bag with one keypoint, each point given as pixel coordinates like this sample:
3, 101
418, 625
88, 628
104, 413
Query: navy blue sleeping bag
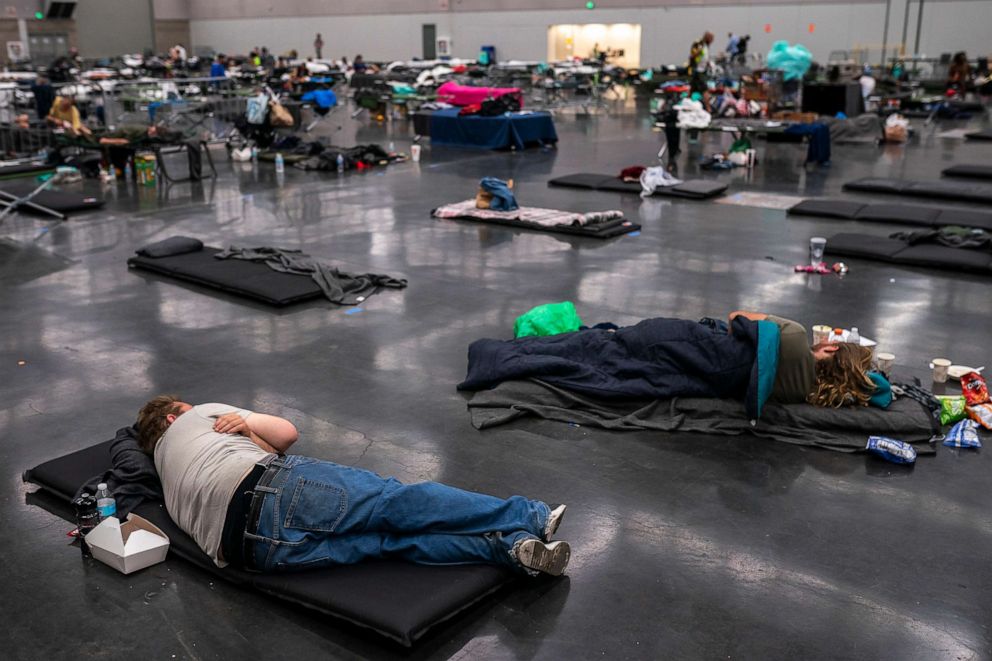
654, 359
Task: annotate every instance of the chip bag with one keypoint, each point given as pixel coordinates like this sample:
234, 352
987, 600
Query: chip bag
974, 389
951, 409
982, 414
963, 435
898, 452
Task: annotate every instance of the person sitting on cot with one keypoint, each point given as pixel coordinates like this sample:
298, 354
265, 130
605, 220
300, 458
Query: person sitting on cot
65, 115
229, 484
763, 358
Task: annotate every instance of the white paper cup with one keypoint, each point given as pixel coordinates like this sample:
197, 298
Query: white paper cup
885, 361
821, 334
940, 366
415, 153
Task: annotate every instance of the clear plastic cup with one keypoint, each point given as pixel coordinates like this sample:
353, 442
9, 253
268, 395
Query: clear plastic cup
821, 334
816, 246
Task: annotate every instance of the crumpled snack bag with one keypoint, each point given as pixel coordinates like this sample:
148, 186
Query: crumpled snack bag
898, 452
952, 409
974, 389
963, 435
982, 414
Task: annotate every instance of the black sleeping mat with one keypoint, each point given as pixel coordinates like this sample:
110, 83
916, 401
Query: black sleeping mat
895, 251
57, 200
969, 171
399, 600
942, 190
897, 214
985, 134
696, 189
25, 170
235, 276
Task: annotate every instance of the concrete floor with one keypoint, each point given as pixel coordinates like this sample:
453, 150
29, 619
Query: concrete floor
683, 546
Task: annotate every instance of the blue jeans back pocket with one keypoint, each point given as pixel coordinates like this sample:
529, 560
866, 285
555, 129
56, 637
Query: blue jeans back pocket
316, 506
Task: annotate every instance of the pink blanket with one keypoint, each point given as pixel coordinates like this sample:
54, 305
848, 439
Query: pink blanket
463, 95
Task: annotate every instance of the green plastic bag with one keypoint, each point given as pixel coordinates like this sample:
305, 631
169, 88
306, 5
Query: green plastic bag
740, 144
548, 319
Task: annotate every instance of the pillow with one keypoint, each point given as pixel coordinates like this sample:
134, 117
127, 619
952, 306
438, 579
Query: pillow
174, 245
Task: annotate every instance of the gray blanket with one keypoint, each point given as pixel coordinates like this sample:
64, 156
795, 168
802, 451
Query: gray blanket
844, 430
338, 286
866, 129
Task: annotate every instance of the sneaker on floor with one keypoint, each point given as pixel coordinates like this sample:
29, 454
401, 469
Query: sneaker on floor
546, 558
554, 520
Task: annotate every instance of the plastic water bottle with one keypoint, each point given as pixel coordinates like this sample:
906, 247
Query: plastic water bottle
127, 170
854, 337
254, 154
280, 164
340, 163
105, 503
392, 147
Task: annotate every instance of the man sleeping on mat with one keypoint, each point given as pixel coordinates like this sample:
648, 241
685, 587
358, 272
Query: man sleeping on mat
229, 485
762, 358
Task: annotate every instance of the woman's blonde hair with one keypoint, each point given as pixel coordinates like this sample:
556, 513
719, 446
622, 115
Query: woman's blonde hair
842, 379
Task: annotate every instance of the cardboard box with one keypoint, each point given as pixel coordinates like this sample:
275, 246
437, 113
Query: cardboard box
129, 546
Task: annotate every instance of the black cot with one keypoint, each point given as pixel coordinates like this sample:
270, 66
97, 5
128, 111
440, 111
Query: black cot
398, 600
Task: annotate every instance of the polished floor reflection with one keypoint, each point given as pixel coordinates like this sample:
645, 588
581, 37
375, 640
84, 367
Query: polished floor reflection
684, 546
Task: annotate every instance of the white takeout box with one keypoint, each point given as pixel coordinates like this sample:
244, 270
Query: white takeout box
129, 546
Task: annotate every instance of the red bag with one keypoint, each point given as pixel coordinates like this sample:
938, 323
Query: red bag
974, 389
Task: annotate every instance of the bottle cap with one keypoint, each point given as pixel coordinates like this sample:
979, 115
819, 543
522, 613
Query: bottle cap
101, 486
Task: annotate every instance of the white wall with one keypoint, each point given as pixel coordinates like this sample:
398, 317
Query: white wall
105, 28
666, 32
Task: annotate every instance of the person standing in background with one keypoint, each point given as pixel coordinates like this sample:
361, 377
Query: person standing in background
699, 62
44, 96
733, 41
318, 45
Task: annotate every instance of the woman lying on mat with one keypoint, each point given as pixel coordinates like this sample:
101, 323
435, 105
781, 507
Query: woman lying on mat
762, 358
229, 485
828, 374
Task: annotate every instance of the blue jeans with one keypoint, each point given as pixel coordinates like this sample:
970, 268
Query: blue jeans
318, 513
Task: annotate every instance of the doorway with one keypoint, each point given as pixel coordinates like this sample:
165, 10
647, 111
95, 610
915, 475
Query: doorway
430, 41
620, 41
44, 48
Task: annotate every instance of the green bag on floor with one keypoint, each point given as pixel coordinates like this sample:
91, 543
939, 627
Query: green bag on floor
548, 319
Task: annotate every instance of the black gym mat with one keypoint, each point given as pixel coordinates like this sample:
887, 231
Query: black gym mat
940, 190
895, 251
398, 600
897, 214
25, 170
979, 135
696, 189
234, 276
57, 200
969, 171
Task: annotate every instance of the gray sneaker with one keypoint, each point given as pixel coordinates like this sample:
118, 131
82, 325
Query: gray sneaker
546, 558
554, 520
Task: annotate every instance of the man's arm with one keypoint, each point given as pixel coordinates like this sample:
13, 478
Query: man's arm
269, 432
